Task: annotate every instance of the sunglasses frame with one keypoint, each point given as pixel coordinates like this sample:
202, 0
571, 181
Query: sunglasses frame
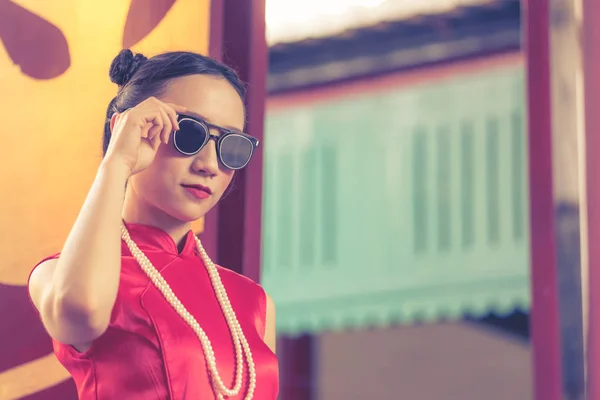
224, 133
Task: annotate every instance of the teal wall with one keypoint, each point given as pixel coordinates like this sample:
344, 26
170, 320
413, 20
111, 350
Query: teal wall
396, 206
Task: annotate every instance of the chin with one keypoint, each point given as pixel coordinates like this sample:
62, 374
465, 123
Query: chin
191, 212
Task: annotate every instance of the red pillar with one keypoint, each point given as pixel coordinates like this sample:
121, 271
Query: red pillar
233, 229
544, 313
591, 68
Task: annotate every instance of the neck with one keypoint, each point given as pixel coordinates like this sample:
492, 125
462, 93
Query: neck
138, 211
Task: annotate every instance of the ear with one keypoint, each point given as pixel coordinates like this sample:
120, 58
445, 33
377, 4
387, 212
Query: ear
113, 121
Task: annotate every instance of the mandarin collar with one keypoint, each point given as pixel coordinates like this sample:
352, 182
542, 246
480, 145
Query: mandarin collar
148, 237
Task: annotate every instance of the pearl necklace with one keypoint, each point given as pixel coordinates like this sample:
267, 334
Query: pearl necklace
237, 335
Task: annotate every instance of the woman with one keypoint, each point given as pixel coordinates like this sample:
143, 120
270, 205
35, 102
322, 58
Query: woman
135, 307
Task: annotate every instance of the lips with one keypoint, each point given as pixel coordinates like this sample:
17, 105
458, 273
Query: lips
198, 187
198, 191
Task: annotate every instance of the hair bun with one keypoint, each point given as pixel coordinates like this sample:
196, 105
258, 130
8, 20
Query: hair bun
124, 66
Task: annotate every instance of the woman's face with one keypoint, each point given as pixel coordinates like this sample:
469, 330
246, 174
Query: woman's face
161, 187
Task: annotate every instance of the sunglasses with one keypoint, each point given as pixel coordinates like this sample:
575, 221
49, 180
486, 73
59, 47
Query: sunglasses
234, 149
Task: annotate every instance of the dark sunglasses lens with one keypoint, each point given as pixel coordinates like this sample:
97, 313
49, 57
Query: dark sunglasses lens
190, 137
236, 151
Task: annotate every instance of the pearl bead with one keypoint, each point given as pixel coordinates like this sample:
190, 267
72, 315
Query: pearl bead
237, 335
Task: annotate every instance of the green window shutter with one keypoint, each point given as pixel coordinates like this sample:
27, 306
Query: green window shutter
398, 206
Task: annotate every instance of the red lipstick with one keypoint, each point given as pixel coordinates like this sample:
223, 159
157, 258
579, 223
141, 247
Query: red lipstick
198, 191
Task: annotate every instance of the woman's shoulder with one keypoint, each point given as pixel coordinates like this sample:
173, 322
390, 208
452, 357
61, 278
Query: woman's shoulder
241, 284
248, 294
38, 278
237, 278
46, 261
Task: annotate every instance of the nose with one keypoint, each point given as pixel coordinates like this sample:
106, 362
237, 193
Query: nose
206, 161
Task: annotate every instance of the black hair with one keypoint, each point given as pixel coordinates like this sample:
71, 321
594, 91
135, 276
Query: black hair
139, 77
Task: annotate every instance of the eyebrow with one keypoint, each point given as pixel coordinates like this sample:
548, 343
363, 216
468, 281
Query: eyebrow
202, 117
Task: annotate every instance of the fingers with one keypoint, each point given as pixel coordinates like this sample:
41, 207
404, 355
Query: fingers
155, 142
172, 115
154, 118
167, 127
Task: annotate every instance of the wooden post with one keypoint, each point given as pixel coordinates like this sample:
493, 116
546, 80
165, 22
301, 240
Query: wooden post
544, 314
591, 64
233, 229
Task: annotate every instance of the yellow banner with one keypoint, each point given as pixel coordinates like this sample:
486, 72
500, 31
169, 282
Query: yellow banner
54, 62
